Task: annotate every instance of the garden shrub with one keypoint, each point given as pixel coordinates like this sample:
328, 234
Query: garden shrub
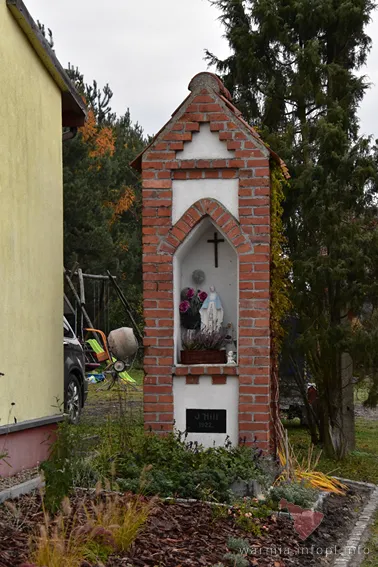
182, 469
168, 465
58, 469
299, 494
67, 467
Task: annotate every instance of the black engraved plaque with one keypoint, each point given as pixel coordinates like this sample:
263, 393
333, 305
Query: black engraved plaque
206, 421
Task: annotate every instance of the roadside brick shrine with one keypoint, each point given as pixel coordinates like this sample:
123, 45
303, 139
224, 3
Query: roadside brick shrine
206, 272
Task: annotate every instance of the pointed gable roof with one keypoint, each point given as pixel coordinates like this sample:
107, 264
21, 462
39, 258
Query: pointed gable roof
209, 83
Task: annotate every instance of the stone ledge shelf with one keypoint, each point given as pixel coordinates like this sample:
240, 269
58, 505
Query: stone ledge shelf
205, 370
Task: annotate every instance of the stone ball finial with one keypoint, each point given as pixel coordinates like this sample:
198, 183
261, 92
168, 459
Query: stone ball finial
207, 80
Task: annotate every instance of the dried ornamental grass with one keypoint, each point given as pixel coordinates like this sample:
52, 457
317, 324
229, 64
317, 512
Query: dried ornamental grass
58, 543
93, 533
305, 470
123, 516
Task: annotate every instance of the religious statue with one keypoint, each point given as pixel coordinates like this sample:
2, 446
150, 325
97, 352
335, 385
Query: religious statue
230, 357
212, 311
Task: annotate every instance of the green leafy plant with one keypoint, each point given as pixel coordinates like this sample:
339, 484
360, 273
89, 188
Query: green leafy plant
298, 494
69, 465
219, 513
239, 550
169, 466
239, 545
100, 547
247, 514
58, 469
183, 469
236, 560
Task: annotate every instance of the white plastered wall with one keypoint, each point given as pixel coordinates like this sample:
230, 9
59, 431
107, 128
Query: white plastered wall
206, 395
186, 192
204, 145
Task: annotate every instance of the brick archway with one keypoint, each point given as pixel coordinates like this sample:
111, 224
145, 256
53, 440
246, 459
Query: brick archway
213, 209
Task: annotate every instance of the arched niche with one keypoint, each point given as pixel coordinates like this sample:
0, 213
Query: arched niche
197, 253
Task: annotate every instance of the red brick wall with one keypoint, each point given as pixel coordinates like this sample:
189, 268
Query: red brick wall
250, 237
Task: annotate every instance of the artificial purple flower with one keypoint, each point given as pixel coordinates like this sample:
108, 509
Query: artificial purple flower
202, 296
184, 306
190, 293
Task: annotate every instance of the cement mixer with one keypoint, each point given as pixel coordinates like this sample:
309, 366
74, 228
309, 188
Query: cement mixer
122, 343
115, 354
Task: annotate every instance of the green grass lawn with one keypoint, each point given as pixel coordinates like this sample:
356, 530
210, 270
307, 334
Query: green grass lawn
96, 391
138, 376
361, 464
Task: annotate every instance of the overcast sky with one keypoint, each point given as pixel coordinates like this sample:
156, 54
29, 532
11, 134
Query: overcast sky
148, 50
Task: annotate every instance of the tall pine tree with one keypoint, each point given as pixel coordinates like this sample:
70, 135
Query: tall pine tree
293, 71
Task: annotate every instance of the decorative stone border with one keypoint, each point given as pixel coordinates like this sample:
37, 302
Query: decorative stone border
360, 532
20, 489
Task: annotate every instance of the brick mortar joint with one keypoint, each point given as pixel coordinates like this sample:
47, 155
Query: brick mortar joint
183, 165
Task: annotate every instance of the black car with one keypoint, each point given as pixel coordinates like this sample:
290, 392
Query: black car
75, 383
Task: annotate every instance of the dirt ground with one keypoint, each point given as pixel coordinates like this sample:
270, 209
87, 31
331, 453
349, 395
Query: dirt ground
104, 404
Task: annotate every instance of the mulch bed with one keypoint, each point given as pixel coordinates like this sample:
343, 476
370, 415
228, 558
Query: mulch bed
188, 535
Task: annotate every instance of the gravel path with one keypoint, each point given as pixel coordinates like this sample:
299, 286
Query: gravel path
23, 476
366, 413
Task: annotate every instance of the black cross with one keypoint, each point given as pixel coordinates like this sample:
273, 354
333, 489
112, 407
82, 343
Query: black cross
216, 241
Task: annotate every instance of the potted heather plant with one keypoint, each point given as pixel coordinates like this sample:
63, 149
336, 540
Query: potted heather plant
202, 346
190, 305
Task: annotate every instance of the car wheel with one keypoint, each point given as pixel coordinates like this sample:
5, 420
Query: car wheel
73, 401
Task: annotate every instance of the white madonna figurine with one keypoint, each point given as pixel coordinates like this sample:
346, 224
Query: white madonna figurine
211, 311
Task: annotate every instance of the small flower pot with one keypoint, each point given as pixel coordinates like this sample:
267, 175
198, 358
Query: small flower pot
203, 357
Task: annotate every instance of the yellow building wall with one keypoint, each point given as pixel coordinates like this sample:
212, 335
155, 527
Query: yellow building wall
31, 231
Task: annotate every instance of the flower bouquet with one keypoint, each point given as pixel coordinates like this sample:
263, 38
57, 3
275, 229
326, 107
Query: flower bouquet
190, 305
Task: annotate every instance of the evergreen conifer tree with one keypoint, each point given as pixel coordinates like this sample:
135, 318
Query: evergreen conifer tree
293, 71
